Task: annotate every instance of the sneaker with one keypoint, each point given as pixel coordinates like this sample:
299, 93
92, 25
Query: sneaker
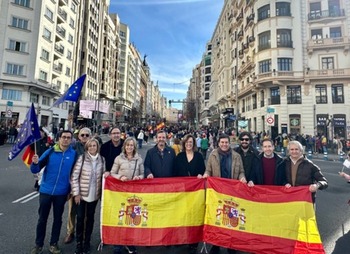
37, 250
54, 249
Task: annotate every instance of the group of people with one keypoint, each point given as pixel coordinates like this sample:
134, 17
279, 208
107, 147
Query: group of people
76, 172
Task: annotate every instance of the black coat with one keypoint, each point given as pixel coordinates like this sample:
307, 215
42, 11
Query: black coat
184, 168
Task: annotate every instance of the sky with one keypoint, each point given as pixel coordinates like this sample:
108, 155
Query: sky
173, 34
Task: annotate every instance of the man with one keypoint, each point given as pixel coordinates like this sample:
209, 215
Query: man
226, 163
301, 171
83, 136
112, 148
140, 138
159, 159
55, 186
248, 153
270, 167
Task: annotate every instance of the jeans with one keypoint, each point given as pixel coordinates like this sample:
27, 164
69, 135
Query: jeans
85, 221
140, 143
45, 203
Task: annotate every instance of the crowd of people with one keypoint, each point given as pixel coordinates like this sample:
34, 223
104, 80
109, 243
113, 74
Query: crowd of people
73, 168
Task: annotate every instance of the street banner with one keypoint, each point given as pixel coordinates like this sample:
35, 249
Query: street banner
260, 219
153, 212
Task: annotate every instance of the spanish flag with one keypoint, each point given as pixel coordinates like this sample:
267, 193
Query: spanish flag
151, 212
27, 156
160, 126
260, 219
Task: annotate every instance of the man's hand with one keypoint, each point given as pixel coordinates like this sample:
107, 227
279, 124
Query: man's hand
313, 187
150, 176
243, 180
35, 159
250, 184
288, 185
205, 175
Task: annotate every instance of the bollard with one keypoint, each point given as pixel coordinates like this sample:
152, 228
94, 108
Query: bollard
309, 155
325, 156
341, 156
282, 152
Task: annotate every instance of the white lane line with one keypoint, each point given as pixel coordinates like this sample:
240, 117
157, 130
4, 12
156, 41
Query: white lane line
26, 200
26, 196
1, 214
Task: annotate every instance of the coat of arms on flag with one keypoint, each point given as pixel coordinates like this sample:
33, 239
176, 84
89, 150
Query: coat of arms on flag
133, 213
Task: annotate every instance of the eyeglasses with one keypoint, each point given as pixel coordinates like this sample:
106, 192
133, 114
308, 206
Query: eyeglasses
65, 137
115, 133
84, 135
244, 139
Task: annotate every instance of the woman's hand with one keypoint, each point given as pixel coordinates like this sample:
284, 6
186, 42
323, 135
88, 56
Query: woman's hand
106, 174
250, 184
123, 178
136, 178
77, 199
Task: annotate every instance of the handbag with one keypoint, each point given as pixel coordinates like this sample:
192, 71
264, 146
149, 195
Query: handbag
134, 170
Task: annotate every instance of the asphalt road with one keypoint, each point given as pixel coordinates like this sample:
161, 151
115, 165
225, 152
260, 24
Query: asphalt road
19, 205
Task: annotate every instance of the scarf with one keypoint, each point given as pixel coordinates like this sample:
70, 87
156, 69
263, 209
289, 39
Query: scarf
225, 163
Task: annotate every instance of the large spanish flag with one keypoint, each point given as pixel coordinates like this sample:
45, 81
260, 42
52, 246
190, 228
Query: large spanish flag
150, 212
260, 219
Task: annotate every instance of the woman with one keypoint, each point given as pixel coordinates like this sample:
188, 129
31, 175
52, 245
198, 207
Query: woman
176, 146
128, 166
86, 183
190, 162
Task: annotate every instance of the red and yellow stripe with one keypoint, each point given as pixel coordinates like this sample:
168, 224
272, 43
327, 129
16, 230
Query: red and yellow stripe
261, 219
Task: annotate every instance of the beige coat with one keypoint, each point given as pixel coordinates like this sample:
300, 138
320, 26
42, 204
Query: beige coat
213, 165
124, 167
81, 176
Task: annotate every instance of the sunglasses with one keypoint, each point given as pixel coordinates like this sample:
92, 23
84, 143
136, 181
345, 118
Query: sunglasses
84, 135
244, 139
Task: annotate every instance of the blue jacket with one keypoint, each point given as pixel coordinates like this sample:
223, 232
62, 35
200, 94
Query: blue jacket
56, 176
158, 166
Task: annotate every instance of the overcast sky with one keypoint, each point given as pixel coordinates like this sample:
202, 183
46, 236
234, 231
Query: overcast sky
173, 35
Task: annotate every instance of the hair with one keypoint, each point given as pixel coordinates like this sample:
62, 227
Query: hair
176, 141
65, 131
185, 139
245, 133
222, 136
86, 129
159, 132
90, 141
267, 140
111, 129
297, 143
126, 141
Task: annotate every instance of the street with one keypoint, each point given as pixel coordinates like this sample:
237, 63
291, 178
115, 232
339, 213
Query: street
19, 205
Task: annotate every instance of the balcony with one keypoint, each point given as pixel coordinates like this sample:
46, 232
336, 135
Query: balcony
61, 31
250, 20
328, 73
326, 15
285, 44
278, 77
239, 19
264, 46
249, 88
329, 43
246, 47
251, 41
240, 35
240, 53
59, 49
62, 14
57, 68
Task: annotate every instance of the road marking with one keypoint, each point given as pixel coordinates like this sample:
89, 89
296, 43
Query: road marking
1, 214
30, 196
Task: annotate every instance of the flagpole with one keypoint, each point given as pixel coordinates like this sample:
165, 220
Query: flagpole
35, 148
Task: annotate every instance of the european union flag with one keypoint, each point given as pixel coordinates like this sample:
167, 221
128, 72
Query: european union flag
28, 134
73, 93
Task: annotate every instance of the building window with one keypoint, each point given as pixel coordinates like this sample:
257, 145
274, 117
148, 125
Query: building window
47, 34
43, 75
315, 10
34, 98
265, 66
70, 38
68, 71
275, 96
69, 54
337, 93
25, 3
316, 34
284, 38
19, 23
293, 94
264, 40
45, 100
15, 69
335, 32
73, 7
321, 94
13, 95
283, 9
45, 54
18, 46
49, 14
285, 64
264, 12
71, 23
327, 63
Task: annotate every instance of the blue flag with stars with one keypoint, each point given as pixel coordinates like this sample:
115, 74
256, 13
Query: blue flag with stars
28, 134
73, 93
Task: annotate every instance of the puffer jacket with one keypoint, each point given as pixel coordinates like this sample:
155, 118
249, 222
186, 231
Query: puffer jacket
81, 176
124, 167
213, 165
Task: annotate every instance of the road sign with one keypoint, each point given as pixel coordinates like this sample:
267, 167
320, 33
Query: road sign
9, 113
270, 110
270, 119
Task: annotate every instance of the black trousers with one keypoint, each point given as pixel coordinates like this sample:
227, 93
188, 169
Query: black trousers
84, 226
